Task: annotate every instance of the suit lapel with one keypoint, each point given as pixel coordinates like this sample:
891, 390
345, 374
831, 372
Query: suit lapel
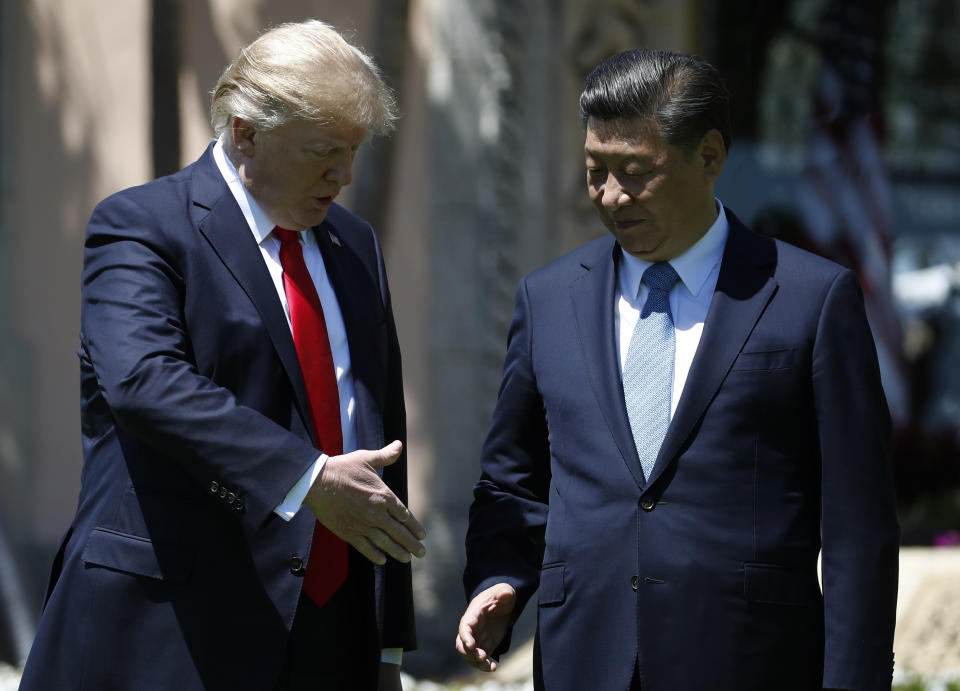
744, 289
226, 230
593, 305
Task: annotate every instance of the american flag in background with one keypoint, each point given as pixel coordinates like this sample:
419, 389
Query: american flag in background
844, 196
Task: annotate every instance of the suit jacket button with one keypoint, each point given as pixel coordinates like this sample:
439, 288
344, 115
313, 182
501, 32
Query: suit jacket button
634, 583
647, 503
296, 566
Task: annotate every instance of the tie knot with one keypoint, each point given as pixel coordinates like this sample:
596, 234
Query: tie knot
286, 236
660, 276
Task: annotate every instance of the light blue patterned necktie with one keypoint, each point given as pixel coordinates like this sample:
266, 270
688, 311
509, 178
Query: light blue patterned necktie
648, 370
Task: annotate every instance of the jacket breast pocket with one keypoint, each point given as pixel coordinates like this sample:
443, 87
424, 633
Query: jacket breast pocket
774, 584
551, 590
760, 360
137, 556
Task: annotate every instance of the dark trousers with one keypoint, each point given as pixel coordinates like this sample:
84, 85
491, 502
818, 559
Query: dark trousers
335, 647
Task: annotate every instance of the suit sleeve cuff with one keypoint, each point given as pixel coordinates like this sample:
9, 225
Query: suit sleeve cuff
293, 500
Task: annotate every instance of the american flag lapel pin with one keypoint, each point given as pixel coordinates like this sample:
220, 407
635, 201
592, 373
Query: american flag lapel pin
334, 239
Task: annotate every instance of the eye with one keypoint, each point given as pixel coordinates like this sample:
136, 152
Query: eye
637, 172
595, 175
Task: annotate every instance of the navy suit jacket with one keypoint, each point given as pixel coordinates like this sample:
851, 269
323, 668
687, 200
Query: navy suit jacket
176, 573
704, 575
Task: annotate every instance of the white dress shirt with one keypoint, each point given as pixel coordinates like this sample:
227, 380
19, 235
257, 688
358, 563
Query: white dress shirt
690, 298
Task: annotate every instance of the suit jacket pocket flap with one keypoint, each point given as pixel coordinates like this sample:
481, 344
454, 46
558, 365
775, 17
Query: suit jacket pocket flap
551, 585
136, 555
764, 360
777, 585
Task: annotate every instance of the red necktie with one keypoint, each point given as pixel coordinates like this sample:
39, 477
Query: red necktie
327, 565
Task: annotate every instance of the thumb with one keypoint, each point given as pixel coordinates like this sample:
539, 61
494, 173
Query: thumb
387, 455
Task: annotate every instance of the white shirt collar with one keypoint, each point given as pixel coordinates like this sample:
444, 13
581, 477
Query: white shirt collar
693, 266
260, 224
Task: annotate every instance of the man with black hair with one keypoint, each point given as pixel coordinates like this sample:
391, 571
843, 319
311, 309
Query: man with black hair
689, 414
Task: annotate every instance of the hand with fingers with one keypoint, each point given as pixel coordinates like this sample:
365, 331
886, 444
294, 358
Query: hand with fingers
354, 503
484, 625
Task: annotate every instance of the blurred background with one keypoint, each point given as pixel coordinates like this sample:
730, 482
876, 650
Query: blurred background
846, 142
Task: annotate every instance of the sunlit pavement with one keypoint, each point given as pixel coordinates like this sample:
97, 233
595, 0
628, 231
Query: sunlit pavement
9, 678
492, 684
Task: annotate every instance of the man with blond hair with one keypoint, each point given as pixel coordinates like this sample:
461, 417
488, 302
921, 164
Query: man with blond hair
241, 520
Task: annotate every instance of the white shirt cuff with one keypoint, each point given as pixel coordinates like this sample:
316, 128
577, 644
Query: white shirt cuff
293, 500
393, 656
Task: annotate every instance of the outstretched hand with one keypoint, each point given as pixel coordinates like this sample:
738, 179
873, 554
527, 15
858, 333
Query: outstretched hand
484, 625
351, 500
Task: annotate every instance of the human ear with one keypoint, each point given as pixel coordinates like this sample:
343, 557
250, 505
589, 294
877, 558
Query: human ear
244, 136
712, 152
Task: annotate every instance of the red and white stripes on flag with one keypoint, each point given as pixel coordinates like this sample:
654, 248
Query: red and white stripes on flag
844, 195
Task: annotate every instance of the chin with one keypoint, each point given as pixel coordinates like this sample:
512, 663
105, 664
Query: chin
314, 218
649, 249
654, 254
637, 249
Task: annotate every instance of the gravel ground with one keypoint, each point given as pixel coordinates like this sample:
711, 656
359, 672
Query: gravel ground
411, 684
9, 678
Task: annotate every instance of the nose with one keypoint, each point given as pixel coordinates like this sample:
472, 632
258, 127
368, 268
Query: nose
341, 169
614, 195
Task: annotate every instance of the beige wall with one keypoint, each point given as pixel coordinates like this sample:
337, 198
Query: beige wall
80, 117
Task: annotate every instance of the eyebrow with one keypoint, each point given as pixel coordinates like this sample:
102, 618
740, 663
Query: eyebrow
329, 142
320, 146
646, 158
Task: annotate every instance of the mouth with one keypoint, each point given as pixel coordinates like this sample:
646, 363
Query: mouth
628, 223
323, 202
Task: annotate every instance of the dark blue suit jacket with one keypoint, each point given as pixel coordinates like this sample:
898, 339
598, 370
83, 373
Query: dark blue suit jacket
705, 575
176, 573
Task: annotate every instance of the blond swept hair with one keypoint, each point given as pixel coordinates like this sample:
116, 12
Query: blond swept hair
306, 71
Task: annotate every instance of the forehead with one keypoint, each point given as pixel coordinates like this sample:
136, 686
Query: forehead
625, 136
339, 133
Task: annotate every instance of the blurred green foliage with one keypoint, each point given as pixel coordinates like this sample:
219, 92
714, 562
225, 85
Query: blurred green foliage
916, 682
